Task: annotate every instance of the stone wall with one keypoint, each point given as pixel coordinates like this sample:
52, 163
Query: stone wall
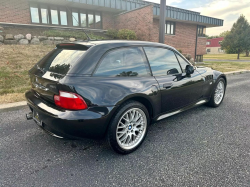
10, 39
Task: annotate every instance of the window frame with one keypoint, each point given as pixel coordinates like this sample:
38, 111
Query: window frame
166, 28
145, 61
181, 56
167, 49
201, 28
68, 15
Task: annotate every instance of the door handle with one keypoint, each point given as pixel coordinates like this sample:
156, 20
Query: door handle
167, 85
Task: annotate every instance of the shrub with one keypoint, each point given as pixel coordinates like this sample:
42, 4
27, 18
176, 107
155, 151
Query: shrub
126, 34
180, 51
112, 33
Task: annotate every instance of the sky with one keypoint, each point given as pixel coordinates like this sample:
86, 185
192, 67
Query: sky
228, 10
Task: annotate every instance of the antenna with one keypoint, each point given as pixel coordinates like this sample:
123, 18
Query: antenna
79, 24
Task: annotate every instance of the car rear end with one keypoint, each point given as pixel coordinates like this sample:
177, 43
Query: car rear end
57, 107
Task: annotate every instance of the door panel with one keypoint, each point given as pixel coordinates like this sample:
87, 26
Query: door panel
180, 93
177, 89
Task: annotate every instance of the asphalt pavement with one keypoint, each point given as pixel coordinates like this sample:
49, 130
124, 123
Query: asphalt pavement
200, 147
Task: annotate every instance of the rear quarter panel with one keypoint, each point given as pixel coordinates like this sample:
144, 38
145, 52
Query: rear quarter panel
113, 91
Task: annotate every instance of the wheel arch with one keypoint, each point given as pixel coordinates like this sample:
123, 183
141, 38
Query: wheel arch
141, 99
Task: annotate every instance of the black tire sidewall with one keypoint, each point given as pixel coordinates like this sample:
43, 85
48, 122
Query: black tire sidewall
111, 135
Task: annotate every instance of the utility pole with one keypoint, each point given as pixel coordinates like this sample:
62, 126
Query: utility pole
162, 21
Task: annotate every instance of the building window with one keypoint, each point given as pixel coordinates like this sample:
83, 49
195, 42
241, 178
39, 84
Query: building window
220, 50
83, 19
199, 58
201, 31
34, 13
44, 14
170, 28
220, 42
98, 20
208, 43
54, 16
208, 50
58, 15
91, 20
75, 18
63, 16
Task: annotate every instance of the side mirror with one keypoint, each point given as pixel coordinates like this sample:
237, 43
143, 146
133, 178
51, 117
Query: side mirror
189, 70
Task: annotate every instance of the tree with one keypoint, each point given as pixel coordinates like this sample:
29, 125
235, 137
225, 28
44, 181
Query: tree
224, 34
239, 37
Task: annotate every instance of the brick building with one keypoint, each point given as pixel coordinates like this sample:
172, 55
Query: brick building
213, 46
185, 30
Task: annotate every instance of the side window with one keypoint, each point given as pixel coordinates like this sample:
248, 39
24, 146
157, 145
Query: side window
162, 61
183, 62
125, 62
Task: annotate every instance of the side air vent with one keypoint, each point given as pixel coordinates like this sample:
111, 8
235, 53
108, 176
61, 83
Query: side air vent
209, 77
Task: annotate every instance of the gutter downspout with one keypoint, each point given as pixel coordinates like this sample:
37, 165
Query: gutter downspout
196, 40
162, 22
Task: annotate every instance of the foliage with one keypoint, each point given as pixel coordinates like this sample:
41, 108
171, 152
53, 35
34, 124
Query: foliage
224, 34
72, 34
239, 37
112, 33
126, 34
180, 51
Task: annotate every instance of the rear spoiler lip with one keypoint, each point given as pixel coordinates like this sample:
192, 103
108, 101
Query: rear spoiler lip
74, 46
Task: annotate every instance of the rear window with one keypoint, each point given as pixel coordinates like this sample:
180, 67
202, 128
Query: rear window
60, 61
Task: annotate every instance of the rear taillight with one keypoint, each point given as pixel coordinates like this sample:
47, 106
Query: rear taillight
70, 101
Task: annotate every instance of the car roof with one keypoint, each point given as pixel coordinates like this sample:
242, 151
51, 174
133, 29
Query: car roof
121, 43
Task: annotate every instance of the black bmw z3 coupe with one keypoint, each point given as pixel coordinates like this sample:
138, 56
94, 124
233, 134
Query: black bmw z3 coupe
116, 89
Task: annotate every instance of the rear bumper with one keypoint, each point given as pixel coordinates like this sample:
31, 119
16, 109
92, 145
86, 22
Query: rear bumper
90, 123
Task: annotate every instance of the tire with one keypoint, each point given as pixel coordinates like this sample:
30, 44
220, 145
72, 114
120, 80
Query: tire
213, 102
128, 128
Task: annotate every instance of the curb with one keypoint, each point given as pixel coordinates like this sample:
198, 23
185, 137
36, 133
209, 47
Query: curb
12, 106
236, 72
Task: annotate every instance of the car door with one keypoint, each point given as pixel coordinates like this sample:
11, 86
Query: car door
177, 89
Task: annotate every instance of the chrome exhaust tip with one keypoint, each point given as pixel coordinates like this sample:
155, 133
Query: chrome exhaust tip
29, 116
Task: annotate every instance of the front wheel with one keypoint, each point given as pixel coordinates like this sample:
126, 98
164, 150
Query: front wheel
128, 128
218, 93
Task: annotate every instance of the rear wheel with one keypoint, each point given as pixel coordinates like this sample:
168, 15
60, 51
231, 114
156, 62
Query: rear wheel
128, 128
218, 94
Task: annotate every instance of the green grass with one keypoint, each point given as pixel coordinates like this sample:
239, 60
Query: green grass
74, 34
228, 66
226, 57
15, 62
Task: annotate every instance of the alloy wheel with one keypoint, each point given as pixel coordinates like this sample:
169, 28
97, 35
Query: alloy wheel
131, 128
219, 92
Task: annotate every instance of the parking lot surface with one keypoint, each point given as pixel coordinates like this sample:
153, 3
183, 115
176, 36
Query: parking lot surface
200, 147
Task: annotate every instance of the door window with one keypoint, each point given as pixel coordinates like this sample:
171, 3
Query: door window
162, 61
182, 62
125, 62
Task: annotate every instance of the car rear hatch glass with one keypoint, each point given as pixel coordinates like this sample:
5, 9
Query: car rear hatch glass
52, 68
